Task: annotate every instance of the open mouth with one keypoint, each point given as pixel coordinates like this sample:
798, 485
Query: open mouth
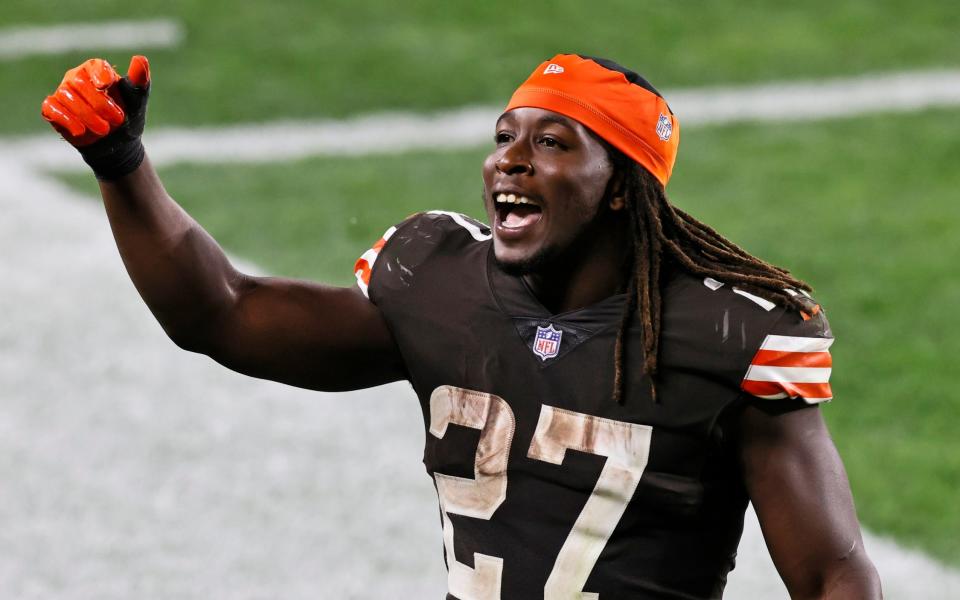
516, 212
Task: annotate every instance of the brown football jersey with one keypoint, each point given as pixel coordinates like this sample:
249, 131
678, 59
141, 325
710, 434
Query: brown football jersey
547, 487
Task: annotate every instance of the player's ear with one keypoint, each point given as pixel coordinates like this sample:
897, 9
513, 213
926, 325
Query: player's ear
617, 196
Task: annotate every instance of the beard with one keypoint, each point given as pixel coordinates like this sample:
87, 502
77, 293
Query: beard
557, 259
542, 260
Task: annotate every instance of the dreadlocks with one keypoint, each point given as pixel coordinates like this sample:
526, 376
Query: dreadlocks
660, 231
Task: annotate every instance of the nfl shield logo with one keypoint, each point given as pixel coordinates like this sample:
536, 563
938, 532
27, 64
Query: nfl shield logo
664, 127
546, 344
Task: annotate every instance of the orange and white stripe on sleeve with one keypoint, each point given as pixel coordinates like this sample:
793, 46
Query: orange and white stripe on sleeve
364, 265
791, 367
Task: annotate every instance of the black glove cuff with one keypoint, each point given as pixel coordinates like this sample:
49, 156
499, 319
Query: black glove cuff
111, 161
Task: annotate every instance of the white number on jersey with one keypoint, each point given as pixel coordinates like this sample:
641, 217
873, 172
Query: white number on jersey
625, 445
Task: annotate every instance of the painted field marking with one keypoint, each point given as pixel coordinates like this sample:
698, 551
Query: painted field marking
391, 133
20, 42
903, 91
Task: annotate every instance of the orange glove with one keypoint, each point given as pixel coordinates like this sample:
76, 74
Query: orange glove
102, 114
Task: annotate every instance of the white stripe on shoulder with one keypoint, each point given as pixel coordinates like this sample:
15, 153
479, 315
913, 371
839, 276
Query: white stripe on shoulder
788, 374
789, 343
475, 231
362, 285
712, 283
370, 256
762, 302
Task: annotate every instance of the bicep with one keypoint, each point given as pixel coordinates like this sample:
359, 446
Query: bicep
305, 334
799, 488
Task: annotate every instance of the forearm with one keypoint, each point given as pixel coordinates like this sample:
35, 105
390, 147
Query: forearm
179, 270
855, 579
799, 488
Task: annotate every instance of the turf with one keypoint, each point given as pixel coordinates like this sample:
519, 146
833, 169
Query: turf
865, 209
264, 60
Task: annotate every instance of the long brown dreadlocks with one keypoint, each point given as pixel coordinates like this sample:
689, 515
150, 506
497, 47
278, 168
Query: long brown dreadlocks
660, 231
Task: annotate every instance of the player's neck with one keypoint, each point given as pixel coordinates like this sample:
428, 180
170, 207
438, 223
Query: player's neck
584, 277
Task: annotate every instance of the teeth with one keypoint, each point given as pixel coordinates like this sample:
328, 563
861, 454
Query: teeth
513, 199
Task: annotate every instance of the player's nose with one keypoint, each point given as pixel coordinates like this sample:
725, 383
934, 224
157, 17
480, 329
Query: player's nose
514, 160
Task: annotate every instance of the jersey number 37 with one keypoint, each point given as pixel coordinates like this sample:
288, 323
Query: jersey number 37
626, 447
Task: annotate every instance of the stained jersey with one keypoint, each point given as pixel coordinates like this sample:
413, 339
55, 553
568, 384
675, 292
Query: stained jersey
547, 487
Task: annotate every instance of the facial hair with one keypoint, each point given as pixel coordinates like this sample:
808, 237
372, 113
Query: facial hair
551, 257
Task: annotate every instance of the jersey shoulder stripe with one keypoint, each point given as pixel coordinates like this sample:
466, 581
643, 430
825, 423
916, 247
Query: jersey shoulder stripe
437, 222
477, 230
364, 265
791, 367
765, 304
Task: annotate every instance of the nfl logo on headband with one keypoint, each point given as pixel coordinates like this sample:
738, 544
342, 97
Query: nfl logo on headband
546, 344
664, 127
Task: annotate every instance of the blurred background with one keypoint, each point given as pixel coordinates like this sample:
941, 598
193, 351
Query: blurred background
108, 435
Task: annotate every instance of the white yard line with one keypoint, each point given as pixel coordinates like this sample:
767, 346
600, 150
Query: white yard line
473, 126
20, 42
810, 100
143, 471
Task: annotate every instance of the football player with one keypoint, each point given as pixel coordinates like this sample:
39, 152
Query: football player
606, 382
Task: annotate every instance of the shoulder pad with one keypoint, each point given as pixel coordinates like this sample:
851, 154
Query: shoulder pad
416, 238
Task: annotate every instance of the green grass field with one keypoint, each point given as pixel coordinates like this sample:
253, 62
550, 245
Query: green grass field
863, 208
259, 61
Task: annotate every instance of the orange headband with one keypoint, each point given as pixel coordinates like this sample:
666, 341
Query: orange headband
631, 117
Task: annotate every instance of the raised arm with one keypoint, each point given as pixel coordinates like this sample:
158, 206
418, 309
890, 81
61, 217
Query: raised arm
799, 489
300, 333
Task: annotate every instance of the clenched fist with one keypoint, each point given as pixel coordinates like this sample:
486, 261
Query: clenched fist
102, 114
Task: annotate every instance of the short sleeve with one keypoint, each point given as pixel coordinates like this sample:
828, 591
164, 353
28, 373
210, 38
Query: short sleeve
409, 244
793, 360
364, 265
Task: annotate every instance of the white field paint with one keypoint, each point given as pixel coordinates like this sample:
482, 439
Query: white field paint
20, 42
133, 469
473, 126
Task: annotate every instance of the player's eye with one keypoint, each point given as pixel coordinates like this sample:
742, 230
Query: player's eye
551, 142
502, 137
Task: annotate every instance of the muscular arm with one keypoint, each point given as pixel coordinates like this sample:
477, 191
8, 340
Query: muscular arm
300, 333
295, 332
799, 489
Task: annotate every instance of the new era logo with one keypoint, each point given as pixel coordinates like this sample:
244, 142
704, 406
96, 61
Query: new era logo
553, 68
